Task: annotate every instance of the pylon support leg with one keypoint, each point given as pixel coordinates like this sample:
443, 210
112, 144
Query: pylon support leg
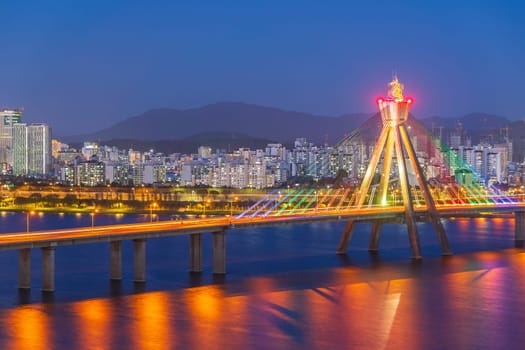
373, 246
348, 232
374, 160
413, 234
387, 165
346, 237
429, 201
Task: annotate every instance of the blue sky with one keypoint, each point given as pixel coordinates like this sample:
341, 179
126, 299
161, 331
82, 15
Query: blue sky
82, 65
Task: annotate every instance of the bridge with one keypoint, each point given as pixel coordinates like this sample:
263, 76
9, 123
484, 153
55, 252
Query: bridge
48, 241
385, 195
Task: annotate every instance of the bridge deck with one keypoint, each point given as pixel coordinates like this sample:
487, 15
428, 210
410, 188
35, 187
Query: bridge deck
52, 238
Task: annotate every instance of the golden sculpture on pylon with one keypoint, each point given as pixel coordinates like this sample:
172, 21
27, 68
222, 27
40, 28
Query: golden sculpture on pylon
395, 89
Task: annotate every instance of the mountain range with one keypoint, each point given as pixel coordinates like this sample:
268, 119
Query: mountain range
230, 125
228, 117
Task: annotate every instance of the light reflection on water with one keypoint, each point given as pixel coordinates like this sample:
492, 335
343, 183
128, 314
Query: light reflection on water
377, 314
151, 316
28, 327
92, 320
292, 294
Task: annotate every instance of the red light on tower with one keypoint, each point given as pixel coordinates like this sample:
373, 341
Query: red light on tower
410, 100
379, 100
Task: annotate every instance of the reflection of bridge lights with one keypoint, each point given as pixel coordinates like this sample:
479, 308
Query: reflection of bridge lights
29, 326
93, 218
152, 205
29, 213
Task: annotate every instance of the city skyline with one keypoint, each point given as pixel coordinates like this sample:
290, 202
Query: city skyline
270, 174
314, 58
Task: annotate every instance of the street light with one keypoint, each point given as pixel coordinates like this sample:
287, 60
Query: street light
151, 206
28, 214
192, 199
208, 201
93, 219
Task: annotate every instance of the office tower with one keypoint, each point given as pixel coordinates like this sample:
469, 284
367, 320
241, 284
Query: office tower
8, 117
31, 149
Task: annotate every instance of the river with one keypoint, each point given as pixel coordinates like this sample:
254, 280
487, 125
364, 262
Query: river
285, 289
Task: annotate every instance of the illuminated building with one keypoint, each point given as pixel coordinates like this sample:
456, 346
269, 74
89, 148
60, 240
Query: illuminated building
137, 173
89, 150
204, 152
8, 118
154, 173
90, 173
134, 156
57, 148
31, 149
20, 145
67, 174
117, 173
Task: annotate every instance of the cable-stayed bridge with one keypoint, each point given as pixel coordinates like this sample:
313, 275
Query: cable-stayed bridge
395, 188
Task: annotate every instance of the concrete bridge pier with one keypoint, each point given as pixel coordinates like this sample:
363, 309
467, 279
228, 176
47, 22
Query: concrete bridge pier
48, 269
519, 228
139, 260
115, 260
24, 268
196, 252
219, 252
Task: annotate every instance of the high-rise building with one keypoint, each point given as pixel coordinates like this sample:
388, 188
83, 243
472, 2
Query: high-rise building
90, 173
89, 150
8, 117
154, 173
39, 149
20, 145
31, 149
204, 152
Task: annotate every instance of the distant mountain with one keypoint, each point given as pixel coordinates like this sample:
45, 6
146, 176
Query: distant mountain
230, 125
228, 117
219, 140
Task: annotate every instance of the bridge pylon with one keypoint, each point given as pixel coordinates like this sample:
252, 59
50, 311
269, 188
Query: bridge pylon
394, 139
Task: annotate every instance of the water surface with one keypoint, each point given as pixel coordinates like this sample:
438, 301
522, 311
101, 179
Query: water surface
285, 288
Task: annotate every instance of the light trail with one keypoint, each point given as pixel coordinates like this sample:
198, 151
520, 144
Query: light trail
177, 227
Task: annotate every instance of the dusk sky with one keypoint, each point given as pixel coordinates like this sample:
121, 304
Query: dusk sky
83, 65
